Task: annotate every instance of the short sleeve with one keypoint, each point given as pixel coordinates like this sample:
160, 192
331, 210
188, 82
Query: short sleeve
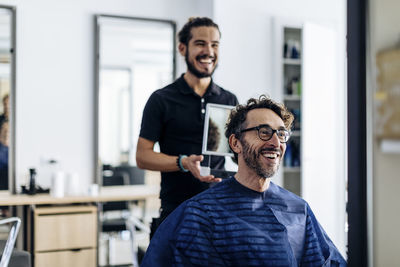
235, 101
229, 98
152, 119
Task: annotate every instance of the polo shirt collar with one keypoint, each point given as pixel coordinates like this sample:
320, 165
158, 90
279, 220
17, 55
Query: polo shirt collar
186, 89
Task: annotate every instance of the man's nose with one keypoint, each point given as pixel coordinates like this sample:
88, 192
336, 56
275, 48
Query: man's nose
275, 140
209, 50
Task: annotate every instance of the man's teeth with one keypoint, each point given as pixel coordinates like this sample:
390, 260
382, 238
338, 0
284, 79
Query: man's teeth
208, 61
272, 156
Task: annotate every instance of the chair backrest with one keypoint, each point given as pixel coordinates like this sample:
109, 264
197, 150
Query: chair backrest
136, 175
12, 236
111, 177
110, 181
120, 175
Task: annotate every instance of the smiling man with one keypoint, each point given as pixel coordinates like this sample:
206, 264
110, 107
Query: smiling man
174, 117
246, 220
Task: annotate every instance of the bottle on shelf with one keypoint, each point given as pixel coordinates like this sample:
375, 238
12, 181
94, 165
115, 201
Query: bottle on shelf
296, 155
32, 181
299, 88
294, 85
296, 49
291, 49
289, 88
297, 118
288, 155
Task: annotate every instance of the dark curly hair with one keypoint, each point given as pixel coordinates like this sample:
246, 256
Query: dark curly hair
237, 117
185, 34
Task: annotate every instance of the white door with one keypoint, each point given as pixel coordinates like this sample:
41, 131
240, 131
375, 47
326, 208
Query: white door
323, 130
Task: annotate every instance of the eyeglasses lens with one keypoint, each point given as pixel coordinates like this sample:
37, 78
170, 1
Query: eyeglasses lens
265, 133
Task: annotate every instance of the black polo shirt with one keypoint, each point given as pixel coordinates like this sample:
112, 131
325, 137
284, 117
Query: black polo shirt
174, 117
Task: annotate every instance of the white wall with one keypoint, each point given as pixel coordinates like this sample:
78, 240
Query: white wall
384, 24
246, 44
55, 66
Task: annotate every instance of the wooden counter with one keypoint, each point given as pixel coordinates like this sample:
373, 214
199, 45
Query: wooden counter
106, 194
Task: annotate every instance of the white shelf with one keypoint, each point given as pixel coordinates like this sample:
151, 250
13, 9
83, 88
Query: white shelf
4, 69
292, 169
390, 146
292, 97
296, 133
292, 61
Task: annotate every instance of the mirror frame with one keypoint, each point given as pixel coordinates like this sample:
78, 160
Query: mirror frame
97, 17
12, 101
210, 109
358, 207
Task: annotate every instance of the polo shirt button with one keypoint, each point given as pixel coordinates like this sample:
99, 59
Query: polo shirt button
202, 100
203, 111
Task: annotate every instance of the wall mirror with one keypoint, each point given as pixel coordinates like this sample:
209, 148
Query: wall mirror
134, 57
7, 97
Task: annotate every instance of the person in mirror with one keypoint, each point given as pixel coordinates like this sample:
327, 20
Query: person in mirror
246, 220
174, 117
213, 137
4, 143
6, 110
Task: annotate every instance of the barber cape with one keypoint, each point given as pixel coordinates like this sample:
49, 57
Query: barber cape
232, 225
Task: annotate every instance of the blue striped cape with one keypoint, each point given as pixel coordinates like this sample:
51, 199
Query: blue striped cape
232, 225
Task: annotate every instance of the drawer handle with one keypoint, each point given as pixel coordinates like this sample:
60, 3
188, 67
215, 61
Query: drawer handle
76, 249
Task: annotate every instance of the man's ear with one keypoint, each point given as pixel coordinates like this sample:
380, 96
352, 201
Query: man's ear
235, 144
182, 49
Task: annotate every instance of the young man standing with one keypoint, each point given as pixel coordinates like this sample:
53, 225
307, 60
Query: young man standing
174, 117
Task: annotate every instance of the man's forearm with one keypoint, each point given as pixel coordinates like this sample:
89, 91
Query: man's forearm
147, 158
156, 161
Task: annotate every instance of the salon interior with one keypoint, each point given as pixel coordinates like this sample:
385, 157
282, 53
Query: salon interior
74, 78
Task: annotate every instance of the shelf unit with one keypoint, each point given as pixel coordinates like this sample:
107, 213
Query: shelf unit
289, 61
318, 174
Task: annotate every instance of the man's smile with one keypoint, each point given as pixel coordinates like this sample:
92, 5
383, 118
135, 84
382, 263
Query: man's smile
272, 155
205, 60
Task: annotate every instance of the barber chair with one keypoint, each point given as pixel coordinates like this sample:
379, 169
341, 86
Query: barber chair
118, 223
9, 256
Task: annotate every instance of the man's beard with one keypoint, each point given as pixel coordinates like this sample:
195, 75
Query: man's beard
252, 160
193, 69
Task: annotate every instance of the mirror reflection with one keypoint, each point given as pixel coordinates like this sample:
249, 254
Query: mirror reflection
6, 82
214, 140
135, 57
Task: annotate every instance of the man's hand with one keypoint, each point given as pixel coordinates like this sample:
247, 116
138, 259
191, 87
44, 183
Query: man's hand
192, 163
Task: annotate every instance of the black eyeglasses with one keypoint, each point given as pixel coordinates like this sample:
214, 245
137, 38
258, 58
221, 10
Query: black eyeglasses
265, 132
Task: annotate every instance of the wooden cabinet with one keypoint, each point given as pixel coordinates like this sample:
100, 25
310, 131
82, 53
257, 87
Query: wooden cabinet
65, 236
67, 258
